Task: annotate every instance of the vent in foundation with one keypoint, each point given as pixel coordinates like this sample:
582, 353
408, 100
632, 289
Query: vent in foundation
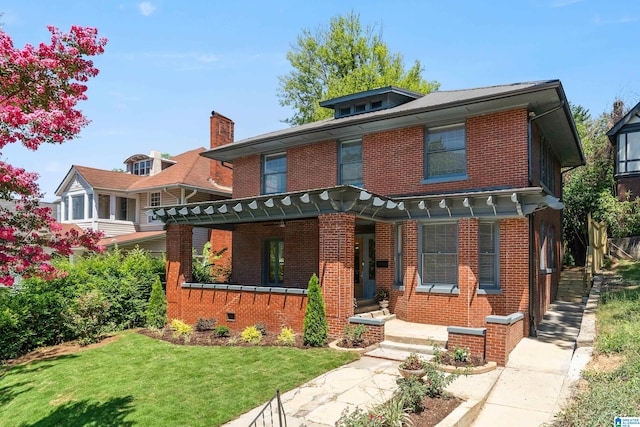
231, 317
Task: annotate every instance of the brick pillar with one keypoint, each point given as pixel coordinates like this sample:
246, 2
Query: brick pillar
222, 239
336, 268
179, 255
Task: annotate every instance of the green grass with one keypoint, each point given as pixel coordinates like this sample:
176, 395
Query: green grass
139, 381
615, 393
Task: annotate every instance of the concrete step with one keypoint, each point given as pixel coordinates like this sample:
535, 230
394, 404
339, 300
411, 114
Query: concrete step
366, 306
414, 340
409, 348
558, 329
571, 317
576, 307
394, 353
383, 314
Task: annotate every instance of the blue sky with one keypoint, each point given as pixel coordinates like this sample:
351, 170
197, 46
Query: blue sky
168, 64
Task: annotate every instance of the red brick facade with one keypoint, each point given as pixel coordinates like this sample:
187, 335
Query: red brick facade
497, 149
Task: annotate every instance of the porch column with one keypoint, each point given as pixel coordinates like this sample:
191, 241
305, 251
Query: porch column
336, 247
179, 244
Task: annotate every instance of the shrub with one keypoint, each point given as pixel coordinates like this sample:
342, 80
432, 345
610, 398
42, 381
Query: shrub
221, 331
413, 362
204, 268
287, 336
181, 330
412, 392
316, 328
436, 381
251, 334
353, 335
358, 418
156, 312
460, 354
203, 324
87, 317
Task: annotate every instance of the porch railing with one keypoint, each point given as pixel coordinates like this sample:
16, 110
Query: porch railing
266, 416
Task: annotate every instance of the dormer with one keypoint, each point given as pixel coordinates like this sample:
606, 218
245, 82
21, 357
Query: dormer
143, 165
370, 100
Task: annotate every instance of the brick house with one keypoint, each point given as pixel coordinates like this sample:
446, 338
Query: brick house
118, 202
625, 137
450, 201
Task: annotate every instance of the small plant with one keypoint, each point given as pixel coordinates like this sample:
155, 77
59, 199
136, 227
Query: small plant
203, 324
411, 391
460, 354
287, 336
393, 413
231, 341
221, 331
353, 335
181, 330
251, 334
262, 328
413, 362
359, 418
381, 295
437, 353
436, 381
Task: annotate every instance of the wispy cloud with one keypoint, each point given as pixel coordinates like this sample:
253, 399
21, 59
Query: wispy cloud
563, 3
146, 8
624, 20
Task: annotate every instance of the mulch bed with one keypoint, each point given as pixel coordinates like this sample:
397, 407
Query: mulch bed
436, 409
472, 361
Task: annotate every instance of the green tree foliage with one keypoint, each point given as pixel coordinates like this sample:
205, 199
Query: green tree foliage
157, 308
342, 59
315, 328
591, 188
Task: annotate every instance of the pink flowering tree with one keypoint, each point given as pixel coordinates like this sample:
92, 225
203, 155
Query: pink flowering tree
40, 88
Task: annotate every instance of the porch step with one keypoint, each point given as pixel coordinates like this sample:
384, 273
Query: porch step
562, 321
366, 305
378, 313
396, 353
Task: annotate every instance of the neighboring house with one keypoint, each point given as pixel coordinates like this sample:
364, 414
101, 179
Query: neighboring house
118, 203
450, 201
625, 137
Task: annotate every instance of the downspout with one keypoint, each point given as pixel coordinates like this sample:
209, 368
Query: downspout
166, 191
185, 199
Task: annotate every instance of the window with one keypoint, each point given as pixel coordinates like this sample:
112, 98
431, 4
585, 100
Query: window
104, 206
351, 163
488, 255
398, 255
142, 167
274, 262
376, 104
90, 207
628, 153
360, 108
547, 248
77, 207
547, 169
154, 201
440, 254
65, 208
125, 209
445, 152
274, 179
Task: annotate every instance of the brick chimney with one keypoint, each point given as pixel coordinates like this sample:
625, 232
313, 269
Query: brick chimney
221, 134
618, 108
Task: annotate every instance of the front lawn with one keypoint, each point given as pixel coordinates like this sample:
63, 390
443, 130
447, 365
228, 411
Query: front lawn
140, 381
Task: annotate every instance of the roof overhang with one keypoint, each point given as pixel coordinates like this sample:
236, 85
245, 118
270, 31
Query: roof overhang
500, 203
537, 99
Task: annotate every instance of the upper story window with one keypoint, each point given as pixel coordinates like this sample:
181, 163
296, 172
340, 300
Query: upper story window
142, 167
351, 163
154, 201
274, 174
547, 167
628, 160
445, 153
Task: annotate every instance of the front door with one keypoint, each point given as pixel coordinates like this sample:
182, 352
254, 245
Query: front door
364, 269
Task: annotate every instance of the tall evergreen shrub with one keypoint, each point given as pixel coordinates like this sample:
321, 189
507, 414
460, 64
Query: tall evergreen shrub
157, 308
316, 327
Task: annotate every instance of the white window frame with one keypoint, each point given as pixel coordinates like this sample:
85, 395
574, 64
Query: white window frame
154, 204
430, 286
265, 161
490, 287
622, 157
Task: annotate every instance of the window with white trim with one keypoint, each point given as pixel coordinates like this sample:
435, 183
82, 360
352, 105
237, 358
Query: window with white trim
104, 206
628, 158
142, 167
440, 254
125, 209
351, 163
90, 205
445, 152
488, 255
77, 207
154, 202
274, 173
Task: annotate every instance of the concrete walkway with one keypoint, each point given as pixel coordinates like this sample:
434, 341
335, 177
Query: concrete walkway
542, 372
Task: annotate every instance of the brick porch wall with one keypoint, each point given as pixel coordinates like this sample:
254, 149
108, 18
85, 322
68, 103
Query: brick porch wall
502, 338
474, 343
179, 254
